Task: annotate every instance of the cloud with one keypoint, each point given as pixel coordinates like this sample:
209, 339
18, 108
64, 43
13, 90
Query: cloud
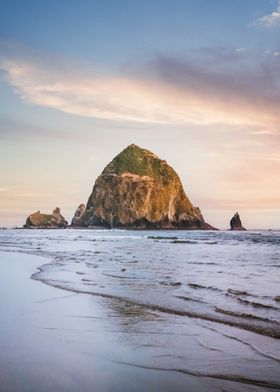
35, 195
271, 20
242, 87
217, 86
270, 203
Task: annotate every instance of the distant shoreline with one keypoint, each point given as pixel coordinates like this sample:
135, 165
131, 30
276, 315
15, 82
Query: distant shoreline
129, 229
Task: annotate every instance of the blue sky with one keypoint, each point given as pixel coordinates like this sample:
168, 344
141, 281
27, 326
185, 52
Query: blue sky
115, 31
195, 81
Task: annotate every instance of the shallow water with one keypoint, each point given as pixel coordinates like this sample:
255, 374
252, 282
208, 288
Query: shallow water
201, 303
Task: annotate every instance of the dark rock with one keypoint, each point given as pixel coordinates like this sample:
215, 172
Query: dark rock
46, 221
235, 223
139, 190
78, 215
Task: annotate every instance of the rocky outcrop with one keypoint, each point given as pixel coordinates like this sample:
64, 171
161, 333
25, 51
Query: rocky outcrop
139, 190
46, 221
235, 223
78, 214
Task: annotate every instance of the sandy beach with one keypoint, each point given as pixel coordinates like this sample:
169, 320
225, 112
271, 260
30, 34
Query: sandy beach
52, 340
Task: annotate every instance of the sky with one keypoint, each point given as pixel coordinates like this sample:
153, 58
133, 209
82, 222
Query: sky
195, 81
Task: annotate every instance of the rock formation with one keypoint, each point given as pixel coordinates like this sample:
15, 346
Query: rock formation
235, 223
139, 190
78, 214
43, 221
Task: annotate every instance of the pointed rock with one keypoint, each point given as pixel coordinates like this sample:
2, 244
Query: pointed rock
235, 223
44, 221
139, 190
78, 215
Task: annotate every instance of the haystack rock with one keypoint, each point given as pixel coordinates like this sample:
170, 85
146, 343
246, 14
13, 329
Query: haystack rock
78, 214
46, 221
235, 223
138, 190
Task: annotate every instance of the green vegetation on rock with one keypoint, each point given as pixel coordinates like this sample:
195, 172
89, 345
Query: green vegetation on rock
136, 160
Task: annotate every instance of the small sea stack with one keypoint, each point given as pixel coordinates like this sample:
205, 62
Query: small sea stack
235, 223
46, 221
78, 214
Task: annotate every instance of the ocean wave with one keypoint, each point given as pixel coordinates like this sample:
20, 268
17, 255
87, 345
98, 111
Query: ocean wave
257, 325
256, 304
199, 286
146, 269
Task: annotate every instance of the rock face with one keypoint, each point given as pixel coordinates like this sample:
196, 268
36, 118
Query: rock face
43, 221
235, 223
78, 214
139, 190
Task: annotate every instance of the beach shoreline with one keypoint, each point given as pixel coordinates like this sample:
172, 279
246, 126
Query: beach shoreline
78, 331
55, 340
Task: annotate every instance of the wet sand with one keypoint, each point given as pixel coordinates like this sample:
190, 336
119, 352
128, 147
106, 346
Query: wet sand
52, 340
56, 340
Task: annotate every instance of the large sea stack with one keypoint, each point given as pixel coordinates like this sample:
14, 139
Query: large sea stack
46, 221
139, 190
